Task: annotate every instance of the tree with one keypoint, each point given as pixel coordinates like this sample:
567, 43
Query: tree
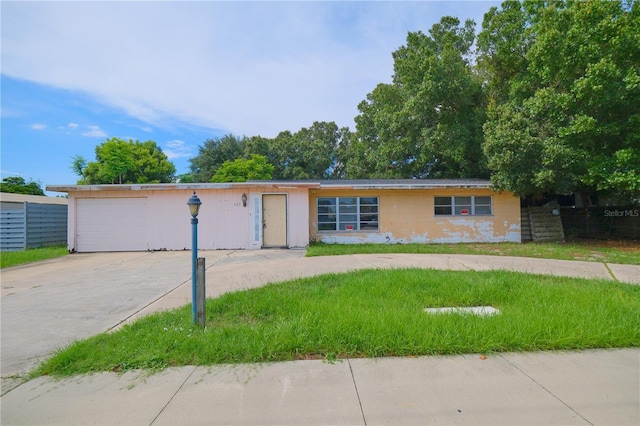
17, 185
563, 114
311, 153
118, 161
78, 165
317, 152
503, 45
184, 178
265, 147
213, 154
428, 122
150, 164
242, 170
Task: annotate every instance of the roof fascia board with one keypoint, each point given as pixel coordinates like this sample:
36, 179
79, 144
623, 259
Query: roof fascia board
182, 186
11, 197
405, 186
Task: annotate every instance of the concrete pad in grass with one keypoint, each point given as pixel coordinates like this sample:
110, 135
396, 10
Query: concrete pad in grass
468, 389
294, 393
133, 398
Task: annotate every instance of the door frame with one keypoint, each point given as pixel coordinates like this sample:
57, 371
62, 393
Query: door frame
286, 219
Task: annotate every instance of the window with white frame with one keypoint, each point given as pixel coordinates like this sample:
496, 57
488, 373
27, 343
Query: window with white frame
463, 206
347, 213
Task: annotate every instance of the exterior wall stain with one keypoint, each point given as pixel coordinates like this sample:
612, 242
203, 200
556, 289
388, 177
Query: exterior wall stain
359, 238
407, 216
223, 222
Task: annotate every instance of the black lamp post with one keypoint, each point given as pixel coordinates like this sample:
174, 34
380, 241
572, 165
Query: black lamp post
194, 207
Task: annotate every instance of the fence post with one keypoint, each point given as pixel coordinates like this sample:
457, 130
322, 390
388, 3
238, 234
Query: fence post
201, 293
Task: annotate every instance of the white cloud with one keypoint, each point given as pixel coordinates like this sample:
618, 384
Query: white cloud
73, 125
245, 67
177, 149
94, 132
38, 126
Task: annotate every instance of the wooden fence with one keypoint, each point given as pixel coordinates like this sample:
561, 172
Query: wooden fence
602, 222
540, 224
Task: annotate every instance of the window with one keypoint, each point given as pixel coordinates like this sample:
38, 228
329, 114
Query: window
463, 206
347, 213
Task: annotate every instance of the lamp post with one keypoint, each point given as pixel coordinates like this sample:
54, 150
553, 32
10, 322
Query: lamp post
194, 207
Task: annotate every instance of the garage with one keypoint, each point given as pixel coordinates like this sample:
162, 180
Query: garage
112, 224
155, 216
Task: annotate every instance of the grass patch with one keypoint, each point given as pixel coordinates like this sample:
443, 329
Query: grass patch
13, 258
370, 313
609, 252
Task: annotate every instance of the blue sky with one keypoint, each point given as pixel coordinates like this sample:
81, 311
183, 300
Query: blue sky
77, 73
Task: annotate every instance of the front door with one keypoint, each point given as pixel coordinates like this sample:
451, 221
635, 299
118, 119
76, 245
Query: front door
274, 220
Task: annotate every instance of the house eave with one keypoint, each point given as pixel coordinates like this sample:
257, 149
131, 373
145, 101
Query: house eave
408, 184
372, 184
407, 187
182, 186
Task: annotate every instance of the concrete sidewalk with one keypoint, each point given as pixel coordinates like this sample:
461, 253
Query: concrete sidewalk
573, 388
47, 305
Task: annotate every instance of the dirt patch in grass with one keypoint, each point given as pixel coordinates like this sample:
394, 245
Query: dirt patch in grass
624, 245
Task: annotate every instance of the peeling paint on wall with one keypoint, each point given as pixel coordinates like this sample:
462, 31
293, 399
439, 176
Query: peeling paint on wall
409, 217
358, 238
389, 238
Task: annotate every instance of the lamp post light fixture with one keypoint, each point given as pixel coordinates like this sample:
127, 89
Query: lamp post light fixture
244, 200
194, 207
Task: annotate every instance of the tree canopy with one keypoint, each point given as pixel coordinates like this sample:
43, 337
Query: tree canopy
428, 122
242, 170
316, 152
119, 161
213, 153
17, 185
564, 84
547, 103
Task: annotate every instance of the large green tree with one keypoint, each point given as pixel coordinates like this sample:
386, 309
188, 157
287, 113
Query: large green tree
213, 153
17, 185
311, 153
564, 85
243, 169
428, 121
317, 152
119, 161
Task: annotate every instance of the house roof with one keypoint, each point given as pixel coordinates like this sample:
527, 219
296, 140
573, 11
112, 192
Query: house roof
9, 197
184, 186
257, 184
406, 183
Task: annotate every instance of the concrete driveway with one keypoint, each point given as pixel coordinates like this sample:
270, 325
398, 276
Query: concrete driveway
46, 306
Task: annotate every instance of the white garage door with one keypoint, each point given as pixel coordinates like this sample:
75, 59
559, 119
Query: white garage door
111, 224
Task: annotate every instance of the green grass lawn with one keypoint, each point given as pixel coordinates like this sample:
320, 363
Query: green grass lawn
595, 251
13, 258
370, 313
